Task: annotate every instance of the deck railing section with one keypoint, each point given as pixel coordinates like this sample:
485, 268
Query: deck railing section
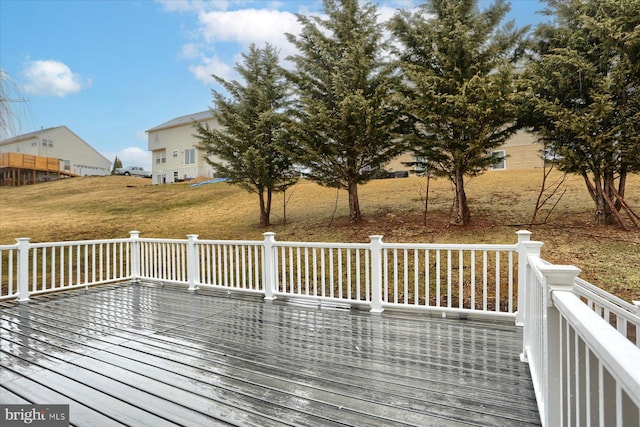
584, 372
226, 264
163, 260
33, 268
450, 277
328, 271
618, 313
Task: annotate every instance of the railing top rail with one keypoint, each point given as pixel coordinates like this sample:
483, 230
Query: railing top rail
322, 245
230, 242
160, 240
78, 242
8, 247
588, 290
451, 246
618, 354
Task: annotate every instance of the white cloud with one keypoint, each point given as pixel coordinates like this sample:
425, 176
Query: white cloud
52, 78
228, 26
239, 28
209, 66
248, 26
192, 5
131, 156
190, 51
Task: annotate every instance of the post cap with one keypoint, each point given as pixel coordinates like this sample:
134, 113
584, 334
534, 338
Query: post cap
562, 275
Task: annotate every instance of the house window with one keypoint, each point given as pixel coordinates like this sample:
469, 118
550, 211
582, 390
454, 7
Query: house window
499, 163
160, 158
67, 165
157, 138
175, 153
189, 156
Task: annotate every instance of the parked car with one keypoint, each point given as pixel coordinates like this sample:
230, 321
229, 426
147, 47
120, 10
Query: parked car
133, 171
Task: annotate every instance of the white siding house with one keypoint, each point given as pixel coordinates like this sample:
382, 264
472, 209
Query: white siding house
173, 146
521, 151
76, 156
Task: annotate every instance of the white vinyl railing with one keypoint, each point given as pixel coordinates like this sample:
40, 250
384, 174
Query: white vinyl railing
226, 264
28, 269
618, 313
584, 372
580, 342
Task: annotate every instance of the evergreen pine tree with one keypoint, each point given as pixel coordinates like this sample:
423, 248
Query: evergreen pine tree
253, 147
345, 117
458, 68
584, 94
117, 164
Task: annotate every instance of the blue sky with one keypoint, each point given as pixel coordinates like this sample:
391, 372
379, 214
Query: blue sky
111, 69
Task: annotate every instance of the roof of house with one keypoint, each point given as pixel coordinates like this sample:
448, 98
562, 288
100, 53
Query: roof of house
26, 136
183, 120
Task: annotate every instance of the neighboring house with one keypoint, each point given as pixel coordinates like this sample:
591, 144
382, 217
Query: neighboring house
521, 151
75, 155
175, 157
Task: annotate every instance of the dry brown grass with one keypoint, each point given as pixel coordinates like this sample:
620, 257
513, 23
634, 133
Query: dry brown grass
501, 202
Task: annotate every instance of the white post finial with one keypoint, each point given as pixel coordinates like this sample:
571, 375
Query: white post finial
523, 235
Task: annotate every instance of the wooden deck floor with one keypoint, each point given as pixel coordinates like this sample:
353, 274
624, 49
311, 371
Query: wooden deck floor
151, 355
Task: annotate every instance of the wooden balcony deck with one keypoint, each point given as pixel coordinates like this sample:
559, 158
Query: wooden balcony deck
145, 354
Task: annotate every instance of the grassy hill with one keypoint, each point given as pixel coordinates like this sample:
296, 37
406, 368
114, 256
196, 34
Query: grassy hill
501, 203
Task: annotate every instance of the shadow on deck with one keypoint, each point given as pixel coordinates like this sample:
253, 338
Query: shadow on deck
145, 354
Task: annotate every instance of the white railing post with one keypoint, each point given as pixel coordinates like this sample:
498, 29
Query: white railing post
134, 236
269, 266
529, 248
193, 262
558, 278
523, 236
376, 273
23, 268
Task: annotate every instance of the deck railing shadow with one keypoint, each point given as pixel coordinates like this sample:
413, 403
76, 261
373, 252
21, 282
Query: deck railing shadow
581, 343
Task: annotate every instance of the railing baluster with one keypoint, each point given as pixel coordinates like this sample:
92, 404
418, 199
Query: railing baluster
437, 277
416, 275
460, 279
449, 278
485, 279
498, 281
473, 279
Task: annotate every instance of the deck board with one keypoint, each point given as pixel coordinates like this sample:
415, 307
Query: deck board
146, 354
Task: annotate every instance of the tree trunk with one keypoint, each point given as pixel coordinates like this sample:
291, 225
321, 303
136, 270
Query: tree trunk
622, 182
354, 203
265, 208
463, 216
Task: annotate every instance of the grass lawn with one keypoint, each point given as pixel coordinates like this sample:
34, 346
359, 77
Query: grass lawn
501, 203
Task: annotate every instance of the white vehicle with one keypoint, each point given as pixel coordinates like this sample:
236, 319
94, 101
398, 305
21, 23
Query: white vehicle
133, 171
